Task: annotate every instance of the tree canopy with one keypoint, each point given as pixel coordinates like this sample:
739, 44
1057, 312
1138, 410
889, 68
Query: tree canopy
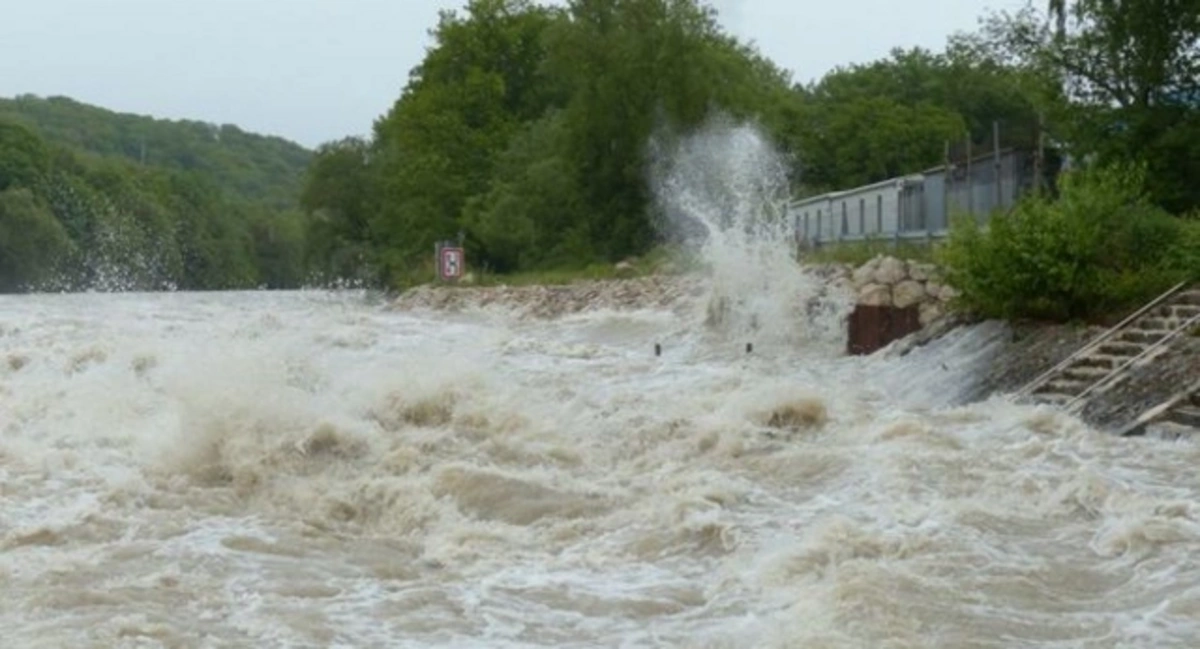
248, 166
527, 129
1120, 82
84, 206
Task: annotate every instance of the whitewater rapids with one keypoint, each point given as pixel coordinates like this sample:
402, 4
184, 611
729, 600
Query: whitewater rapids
312, 470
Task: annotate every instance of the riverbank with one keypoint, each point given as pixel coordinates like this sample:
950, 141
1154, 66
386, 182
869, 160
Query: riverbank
1022, 352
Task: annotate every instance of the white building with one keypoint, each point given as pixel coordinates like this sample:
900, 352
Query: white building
870, 211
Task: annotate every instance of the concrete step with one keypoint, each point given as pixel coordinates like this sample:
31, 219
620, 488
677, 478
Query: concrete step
1184, 311
1143, 336
1171, 310
1189, 297
1063, 385
1085, 373
1106, 361
1165, 325
1053, 398
1186, 415
1121, 348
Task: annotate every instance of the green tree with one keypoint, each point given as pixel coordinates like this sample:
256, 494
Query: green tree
247, 166
24, 159
913, 103
32, 242
637, 67
149, 204
1129, 80
437, 146
534, 214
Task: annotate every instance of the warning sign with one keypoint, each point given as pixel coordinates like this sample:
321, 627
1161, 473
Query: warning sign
450, 264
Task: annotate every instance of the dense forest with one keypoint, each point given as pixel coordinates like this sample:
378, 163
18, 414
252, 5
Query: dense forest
527, 127
91, 199
527, 130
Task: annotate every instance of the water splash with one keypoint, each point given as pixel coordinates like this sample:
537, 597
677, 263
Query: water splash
724, 190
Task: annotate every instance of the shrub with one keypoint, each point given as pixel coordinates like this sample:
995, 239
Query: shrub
1100, 247
1183, 256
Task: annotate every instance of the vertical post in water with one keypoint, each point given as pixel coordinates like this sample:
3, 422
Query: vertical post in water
996, 158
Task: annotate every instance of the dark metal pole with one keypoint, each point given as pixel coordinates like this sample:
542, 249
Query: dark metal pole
970, 181
996, 156
946, 186
1039, 153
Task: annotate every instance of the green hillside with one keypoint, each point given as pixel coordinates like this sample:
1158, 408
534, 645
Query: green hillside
95, 200
246, 165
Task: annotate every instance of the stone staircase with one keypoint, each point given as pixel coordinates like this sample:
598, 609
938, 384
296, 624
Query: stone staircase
1177, 417
1106, 360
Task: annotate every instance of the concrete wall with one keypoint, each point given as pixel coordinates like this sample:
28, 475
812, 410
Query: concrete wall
918, 206
868, 211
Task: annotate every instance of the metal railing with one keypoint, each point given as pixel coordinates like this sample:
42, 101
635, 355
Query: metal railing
1154, 414
1114, 376
1097, 341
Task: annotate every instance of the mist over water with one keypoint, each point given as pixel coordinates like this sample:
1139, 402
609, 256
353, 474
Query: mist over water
308, 469
725, 188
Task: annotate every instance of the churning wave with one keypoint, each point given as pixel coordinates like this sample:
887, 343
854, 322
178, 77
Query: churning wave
306, 469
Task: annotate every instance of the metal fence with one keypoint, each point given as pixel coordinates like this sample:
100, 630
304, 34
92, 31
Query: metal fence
917, 207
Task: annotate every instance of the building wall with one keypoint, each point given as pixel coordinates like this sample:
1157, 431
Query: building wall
920, 205
872, 210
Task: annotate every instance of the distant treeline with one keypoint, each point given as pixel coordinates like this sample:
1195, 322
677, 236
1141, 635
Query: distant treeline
91, 199
530, 130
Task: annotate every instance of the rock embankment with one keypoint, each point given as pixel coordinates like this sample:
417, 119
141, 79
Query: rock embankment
888, 281
1032, 348
654, 292
883, 281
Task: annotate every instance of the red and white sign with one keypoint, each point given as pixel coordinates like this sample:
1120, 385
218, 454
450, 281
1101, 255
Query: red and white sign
450, 266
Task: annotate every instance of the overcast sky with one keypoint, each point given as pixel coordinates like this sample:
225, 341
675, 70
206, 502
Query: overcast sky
316, 70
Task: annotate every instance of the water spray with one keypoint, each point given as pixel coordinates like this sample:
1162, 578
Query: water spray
724, 190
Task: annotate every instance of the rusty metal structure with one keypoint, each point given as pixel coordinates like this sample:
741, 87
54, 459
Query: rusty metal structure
874, 327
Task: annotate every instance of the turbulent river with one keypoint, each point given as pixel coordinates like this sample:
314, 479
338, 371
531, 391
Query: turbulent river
313, 470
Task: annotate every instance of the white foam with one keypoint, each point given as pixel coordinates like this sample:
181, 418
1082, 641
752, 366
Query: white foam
728, 184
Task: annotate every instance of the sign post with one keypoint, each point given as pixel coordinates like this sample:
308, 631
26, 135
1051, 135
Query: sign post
451, 261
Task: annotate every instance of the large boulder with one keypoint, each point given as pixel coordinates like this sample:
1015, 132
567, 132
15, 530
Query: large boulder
921, 272
934, 289
907, 293
875, 295
891, 271
947, 293
929, 313
865, 274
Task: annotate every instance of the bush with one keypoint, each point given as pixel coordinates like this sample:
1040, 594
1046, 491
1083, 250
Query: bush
1183, 257
1101, 247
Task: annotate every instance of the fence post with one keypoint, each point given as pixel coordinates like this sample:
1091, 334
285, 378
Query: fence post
946, 186
1039, 152
970, 182
996, 158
